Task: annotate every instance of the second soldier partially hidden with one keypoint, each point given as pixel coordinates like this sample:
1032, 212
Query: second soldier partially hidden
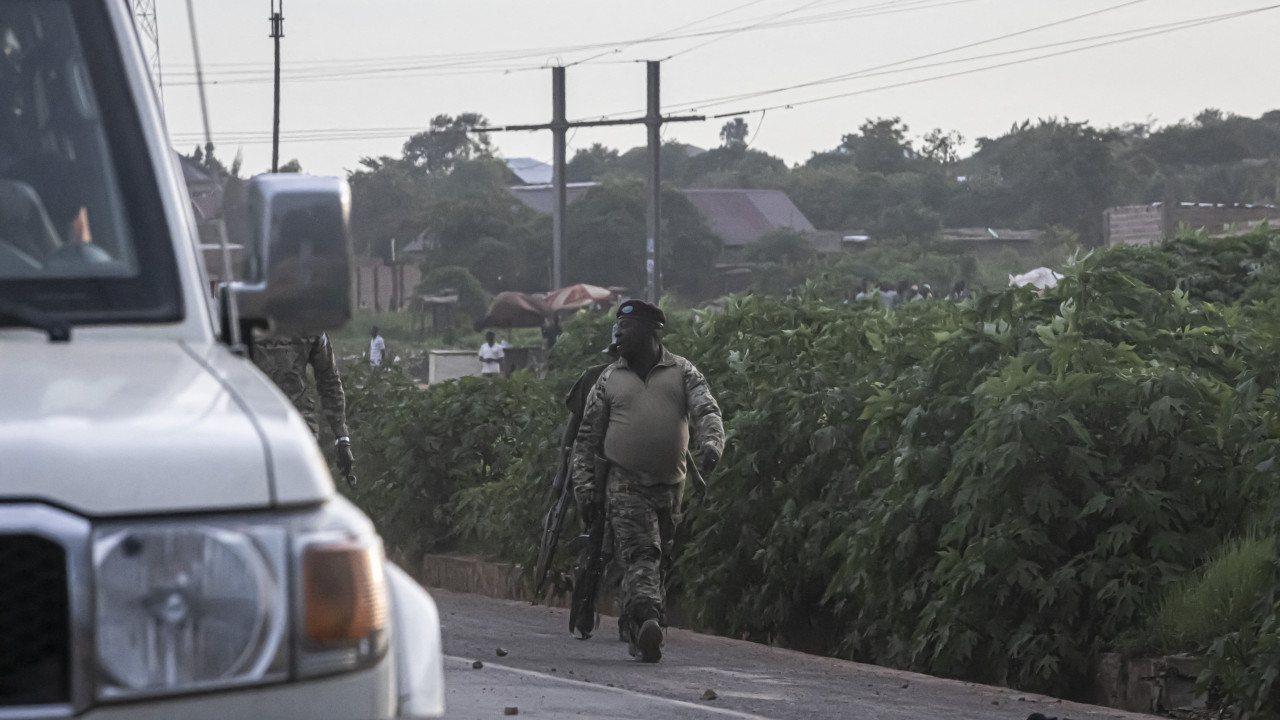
285, 361
640, 417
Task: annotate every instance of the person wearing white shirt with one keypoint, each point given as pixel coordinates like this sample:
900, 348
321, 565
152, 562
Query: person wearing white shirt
491, 355
376, 347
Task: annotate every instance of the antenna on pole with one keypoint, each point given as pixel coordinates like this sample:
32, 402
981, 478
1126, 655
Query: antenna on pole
277, 32
145, 13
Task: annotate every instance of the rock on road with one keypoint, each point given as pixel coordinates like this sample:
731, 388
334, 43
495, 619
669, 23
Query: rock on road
546, 673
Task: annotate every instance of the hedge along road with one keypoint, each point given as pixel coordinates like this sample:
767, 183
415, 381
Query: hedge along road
546, 673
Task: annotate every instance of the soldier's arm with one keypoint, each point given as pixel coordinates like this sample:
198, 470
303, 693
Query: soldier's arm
589, 442
329, 385
705, 422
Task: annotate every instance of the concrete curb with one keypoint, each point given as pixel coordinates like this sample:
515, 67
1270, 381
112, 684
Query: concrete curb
477, 576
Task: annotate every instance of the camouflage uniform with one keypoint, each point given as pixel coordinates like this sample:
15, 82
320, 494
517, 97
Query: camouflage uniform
643, 508
285, 361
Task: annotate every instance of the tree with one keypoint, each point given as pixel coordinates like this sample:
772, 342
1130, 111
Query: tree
388, 200
591, 163
473, 301
447, 141
606, 246
471, 220
734, 134
734, 167
881, 145
942, 147
784, 246
293, 166
1054, 172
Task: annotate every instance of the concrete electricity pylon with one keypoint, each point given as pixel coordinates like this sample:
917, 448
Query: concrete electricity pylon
145, 13
559, 125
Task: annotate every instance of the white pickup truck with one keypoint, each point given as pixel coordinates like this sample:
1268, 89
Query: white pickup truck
171, 543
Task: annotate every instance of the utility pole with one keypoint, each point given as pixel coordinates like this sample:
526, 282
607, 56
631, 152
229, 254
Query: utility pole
653, 218
559, 126
277, 32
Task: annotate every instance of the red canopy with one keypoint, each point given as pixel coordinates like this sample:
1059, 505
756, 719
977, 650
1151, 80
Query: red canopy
513, 310
576, 296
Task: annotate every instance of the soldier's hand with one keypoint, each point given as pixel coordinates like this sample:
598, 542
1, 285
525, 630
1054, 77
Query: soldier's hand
710, 458
345, 459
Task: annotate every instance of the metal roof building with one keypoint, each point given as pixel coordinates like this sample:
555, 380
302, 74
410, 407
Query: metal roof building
741, 217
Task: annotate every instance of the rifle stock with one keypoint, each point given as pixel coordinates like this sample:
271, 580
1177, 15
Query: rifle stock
561, 495
591, 561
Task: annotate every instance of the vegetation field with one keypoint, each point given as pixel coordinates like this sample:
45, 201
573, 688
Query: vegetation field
997, 490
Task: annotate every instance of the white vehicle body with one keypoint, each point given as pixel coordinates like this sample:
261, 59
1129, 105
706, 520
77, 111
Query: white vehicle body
149, 435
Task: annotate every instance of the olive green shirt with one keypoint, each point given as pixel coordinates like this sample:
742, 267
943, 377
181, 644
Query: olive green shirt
644, 426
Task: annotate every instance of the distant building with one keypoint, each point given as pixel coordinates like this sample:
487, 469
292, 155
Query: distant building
530, 171
983, 243
542, 197
741, 217
1149, 224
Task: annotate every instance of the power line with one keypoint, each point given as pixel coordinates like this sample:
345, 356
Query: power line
712, 102
483, 63
660, 35
339, 134
1183, 26
868, 72
727, 35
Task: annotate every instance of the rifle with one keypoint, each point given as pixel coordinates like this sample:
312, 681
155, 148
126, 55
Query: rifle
592, 557
561, 496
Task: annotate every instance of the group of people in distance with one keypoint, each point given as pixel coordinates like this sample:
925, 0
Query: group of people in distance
890, 294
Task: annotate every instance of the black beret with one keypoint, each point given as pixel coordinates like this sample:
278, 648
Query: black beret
642, 310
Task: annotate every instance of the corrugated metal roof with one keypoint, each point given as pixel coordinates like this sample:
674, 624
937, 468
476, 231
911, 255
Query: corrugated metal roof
741, 217
541, 197
530, 171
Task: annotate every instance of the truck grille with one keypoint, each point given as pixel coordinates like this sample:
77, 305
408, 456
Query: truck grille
35, 637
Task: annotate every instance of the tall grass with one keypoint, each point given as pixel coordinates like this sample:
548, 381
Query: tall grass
1216, 600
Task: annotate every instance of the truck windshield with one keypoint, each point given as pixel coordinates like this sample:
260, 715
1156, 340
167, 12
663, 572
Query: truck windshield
82, 231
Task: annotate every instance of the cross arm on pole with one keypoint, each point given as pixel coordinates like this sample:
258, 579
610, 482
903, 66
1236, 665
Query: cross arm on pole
586, 123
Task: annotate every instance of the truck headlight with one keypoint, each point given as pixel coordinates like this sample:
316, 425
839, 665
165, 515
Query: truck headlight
203, 604
189, 606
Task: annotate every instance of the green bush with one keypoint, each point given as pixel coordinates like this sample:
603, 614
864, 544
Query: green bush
995, 490
419, 450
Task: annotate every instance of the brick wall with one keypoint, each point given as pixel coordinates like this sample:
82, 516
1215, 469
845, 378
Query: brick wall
1147, 224
379, 285
1222, 220
1133, 225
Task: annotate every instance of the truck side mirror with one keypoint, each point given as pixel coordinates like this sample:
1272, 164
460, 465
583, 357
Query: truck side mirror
297, 275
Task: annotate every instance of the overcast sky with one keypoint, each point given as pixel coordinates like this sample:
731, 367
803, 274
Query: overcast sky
369, 73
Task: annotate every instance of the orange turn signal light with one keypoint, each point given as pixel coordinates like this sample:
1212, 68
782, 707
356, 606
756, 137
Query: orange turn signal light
345, 593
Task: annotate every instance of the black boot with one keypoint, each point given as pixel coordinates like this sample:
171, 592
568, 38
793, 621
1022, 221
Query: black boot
645, 633
649, 641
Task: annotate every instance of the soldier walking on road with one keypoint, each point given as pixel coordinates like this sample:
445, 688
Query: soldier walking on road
285, 361
633, 441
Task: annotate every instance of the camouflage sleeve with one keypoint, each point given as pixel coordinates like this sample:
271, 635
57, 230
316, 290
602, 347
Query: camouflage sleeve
705, 424
590, 440
329, 385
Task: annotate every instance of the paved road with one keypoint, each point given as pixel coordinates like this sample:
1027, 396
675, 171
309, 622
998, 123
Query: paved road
546, 673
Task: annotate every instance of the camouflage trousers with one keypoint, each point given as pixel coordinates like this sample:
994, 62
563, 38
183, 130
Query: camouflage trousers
643, 520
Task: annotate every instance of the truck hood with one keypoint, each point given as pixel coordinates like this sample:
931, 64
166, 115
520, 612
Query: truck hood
138, 427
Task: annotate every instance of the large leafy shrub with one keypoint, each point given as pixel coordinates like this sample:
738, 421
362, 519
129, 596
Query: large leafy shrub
995, 490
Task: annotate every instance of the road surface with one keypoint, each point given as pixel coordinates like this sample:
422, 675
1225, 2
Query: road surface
546, 673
